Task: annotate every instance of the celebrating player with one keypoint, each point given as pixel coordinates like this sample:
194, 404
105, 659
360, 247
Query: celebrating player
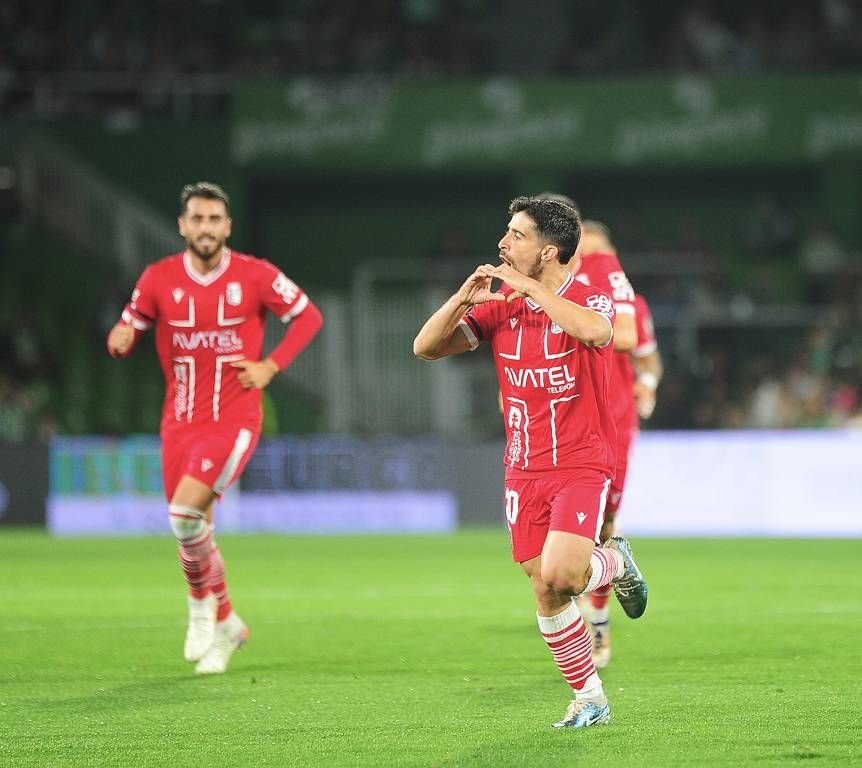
208, 305
551, 337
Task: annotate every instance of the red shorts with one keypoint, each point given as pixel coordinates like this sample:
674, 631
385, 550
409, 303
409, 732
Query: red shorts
571, 501
625, 439
216, 456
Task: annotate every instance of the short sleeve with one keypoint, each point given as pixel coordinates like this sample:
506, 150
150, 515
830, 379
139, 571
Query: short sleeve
280, 294
478, 323
142, 310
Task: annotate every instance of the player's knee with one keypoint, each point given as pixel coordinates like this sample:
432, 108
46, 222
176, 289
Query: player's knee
562, 580
187, 523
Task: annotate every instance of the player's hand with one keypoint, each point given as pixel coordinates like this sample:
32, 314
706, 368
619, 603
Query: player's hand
477, 288
254, 374
608, 530
120, 339
644, 399
520, 284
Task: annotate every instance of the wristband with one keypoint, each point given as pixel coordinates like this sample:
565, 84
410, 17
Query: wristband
648, 380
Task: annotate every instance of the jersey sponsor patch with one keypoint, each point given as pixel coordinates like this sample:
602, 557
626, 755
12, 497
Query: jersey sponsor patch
178, 294
600, 303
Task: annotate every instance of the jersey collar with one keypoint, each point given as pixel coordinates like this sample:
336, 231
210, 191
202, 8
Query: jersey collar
560, 291
210, 277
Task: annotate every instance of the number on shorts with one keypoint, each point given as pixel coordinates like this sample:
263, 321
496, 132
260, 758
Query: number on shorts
511, 506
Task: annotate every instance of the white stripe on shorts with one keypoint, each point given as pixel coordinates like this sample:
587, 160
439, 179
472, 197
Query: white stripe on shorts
243, 440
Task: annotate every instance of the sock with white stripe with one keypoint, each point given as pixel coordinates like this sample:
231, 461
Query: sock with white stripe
218, 584
194, 537
571, 646
607, 564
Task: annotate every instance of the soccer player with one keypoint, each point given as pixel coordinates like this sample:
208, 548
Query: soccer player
599, 265
550, 337
208, 305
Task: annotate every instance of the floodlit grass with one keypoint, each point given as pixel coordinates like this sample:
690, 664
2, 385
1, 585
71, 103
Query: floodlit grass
423, 651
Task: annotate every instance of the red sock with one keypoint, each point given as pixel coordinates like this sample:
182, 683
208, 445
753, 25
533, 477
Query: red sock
569, 640
218, 584
599, 597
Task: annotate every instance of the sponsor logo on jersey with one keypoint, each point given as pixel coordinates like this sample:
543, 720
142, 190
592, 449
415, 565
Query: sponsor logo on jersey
233, 293
206, 465
556, 328
178, 294
581, 517
516, 438
556, 378
223, 341
513, 321
600, 303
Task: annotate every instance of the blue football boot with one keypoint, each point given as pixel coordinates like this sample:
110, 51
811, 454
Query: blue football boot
582, 714
630, 588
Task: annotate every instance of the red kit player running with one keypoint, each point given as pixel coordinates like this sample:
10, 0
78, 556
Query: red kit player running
600, 266
550, 336
208, 305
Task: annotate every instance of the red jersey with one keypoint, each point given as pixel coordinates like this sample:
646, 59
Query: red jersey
603, 270
555, 389
203, 324
646, 342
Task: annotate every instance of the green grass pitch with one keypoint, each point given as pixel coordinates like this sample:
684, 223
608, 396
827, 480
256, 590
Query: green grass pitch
423, 651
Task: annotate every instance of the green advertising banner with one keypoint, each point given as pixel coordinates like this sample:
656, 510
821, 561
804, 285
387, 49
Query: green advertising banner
505, 123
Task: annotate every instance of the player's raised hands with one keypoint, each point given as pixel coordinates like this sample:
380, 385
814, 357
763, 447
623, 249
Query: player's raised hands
477, 288
120, 339
254, 374
520, 283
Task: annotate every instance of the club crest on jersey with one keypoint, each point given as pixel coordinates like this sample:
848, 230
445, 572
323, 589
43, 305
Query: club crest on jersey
556, 328
513, 321
233, 293
178, 294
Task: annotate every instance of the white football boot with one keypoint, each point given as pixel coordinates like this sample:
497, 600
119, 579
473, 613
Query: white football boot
202, 623
230, 635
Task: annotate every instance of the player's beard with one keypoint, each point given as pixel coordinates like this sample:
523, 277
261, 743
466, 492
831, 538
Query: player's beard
535, 271
206, 256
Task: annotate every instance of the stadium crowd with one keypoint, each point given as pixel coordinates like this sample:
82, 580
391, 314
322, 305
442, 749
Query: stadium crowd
43, 39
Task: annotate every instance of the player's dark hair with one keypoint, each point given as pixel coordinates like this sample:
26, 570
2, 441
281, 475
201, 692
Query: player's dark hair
596, 226
555, 221
560, 198
205, 189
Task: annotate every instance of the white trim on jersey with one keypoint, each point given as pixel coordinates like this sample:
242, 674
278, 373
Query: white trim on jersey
645, 349
554, 425
190, 321
210, 277
468, 332
517, 355
138, 325
243, 440
611, 339
554, 356
190, 387
295, 310
560, 291
222, 320
219, 362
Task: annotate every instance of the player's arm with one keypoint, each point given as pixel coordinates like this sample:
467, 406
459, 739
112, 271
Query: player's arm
649, 371
586, 325
625, 329
138, 316
302, 318
443, 335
